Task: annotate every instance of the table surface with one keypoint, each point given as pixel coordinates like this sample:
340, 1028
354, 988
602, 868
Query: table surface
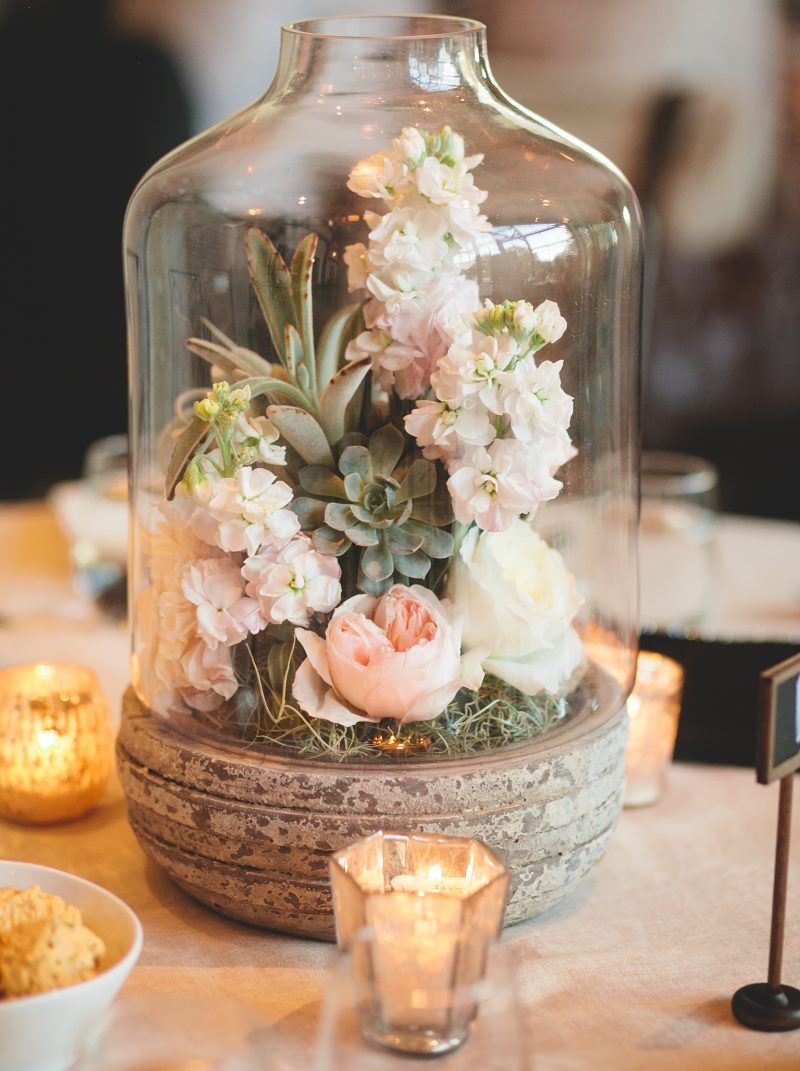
636, 970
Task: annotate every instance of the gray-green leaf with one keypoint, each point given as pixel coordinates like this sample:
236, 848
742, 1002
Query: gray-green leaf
338, 516
416, 565
319, 480
401, 541
419, 481
385, 449
302, 432
436, 542
356, 459
272, 285
310, 512
185, 446
335, 397
334, 336
377, 563
326, 541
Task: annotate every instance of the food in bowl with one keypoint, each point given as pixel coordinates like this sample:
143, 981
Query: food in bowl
44, 943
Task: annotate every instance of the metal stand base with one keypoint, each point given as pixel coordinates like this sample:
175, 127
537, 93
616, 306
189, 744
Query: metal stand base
760, 1007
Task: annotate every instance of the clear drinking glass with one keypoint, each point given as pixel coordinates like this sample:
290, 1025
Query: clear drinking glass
363, 1013
676, 540
177, 1031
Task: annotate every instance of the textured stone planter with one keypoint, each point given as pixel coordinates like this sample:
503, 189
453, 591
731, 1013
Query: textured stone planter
249, 833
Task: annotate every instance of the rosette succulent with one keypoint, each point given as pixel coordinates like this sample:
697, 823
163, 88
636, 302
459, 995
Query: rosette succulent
392, 515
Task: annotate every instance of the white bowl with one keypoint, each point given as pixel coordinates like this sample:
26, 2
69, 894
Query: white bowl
42, 1032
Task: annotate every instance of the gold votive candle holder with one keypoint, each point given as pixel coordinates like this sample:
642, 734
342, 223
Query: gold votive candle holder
654, 708
55, 742
418, 912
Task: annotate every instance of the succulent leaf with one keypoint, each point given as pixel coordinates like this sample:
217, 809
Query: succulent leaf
338, 516
416, 565
377, 563
361, 535
436, 542
419, 481
355, 459
300, 430
327, 541
401, 541
337, 394
310, 512
302, 267
272, 285
332, 343
353, 487
318, 480
385, 449
183, 451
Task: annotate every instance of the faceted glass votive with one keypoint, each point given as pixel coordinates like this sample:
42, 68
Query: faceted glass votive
430, 905
654, 710
55, 742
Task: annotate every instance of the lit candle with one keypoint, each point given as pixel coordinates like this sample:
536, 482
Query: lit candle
55, 742
653, 710
429, 906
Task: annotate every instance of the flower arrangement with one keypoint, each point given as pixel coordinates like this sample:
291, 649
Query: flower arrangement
345, 562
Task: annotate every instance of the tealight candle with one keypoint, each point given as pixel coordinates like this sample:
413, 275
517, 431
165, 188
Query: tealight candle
55, 742
653, 710
430, 905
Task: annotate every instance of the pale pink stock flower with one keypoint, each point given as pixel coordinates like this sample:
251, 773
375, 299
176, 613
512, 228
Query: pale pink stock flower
249, 510
208, 676
292, 583
442, 430
397, 656
378, 176
494, 486
225, 616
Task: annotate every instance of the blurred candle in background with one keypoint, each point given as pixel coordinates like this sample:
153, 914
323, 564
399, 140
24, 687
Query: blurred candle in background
55, 742
654, 709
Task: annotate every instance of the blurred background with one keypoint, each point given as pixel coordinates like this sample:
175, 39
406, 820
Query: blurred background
698, 101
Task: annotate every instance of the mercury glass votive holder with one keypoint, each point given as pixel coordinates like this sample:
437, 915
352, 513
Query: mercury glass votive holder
55, 742
654, 709
431, 906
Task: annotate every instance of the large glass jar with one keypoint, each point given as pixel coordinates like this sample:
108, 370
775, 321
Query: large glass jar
384, 332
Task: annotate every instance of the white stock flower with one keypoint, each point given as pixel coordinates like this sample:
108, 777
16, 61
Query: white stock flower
550, 324
532, 397
441, 431
410, 147
249, 510
292, 583
409, 240
494, 486
224, 614
378, 176
206, 676
260, 435
474, 369
518, 601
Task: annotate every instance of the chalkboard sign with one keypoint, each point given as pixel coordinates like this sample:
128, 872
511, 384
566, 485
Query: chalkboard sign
778, 742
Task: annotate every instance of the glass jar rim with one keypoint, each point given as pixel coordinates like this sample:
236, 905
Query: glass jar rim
665, 472
451, 26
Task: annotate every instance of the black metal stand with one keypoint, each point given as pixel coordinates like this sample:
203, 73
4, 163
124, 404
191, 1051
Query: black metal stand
770, 1005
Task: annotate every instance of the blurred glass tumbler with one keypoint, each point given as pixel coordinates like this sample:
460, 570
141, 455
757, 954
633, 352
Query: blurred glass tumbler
430, 906
654, 710
93, 511
55, 742
676, 540
177, 1031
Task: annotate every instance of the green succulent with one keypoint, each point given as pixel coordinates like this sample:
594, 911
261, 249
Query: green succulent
391, 515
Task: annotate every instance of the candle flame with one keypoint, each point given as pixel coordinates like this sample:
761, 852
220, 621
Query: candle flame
634, 706
48, 740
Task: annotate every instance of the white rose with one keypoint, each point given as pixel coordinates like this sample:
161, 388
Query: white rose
518, 601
